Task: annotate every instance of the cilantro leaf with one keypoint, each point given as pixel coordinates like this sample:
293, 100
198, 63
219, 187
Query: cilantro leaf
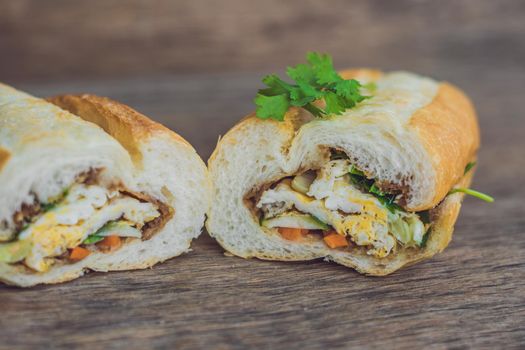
276, 85
317, 80
272, 106
334, 104
323, 68
301, 73
360, 180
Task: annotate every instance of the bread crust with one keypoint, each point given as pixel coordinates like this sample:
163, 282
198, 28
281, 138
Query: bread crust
4, 157
123, 123
445, 216
448, 130
361, 74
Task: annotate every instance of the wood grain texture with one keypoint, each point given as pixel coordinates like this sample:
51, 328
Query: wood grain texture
470, 296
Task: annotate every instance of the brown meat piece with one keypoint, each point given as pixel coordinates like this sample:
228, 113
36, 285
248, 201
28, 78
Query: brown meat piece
398, 189
26, 213
89, 177
155, 225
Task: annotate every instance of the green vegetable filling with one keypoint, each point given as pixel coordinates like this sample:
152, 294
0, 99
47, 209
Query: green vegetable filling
119, 228
365, 184
13, 252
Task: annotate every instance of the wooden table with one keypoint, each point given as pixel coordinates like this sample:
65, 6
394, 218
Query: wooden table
472, 295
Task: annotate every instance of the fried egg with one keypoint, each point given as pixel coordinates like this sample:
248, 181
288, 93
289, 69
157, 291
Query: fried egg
334, 200
82, 212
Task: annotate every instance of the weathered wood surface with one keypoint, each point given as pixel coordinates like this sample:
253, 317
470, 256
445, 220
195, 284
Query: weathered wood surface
472, 295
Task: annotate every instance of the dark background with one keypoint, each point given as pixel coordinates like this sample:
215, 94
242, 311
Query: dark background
195, 66
57, 40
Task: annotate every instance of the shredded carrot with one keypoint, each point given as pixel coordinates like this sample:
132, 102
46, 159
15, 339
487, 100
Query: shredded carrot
110, 243
334, 240
78, 253
292, 234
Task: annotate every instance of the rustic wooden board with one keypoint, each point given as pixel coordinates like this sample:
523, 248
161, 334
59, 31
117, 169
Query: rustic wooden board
472, 295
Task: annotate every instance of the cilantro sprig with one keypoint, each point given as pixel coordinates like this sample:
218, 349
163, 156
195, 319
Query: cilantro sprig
473, 193
317, 80
360, 180
483, 196
469, 166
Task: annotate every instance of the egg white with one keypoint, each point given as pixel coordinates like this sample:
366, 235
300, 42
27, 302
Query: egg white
335, 201
83, 212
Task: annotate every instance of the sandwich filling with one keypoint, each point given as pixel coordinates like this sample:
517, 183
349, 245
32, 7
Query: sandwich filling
343, 206
88, 217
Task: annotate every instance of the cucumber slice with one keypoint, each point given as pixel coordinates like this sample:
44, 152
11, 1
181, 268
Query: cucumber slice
14, 251
92, 239
401, 230
119, 228
301, 183
293, 220
418, 230
407, 230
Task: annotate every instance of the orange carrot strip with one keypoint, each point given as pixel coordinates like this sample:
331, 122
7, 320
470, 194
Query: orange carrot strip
292, 234
78, 253
110, 243
334, 240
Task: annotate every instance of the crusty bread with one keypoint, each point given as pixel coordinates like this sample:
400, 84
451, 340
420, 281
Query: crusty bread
414, 132
143, 155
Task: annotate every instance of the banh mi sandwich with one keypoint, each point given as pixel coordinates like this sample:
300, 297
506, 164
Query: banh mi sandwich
363, 168
87, 183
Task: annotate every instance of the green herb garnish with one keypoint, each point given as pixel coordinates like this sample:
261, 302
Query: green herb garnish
354, 171
473, 193
47, 207
313, 81
469, 166
360, 180
469, 191
52, 205
92, 239
425, 238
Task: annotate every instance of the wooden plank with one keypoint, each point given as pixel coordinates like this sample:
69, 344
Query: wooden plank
472, 295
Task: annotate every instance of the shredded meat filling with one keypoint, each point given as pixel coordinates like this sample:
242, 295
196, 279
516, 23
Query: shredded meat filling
392, 188
89, 177
155, 225
25, 214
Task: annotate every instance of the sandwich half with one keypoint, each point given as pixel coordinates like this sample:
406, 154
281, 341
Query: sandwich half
87, 183
371, 188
